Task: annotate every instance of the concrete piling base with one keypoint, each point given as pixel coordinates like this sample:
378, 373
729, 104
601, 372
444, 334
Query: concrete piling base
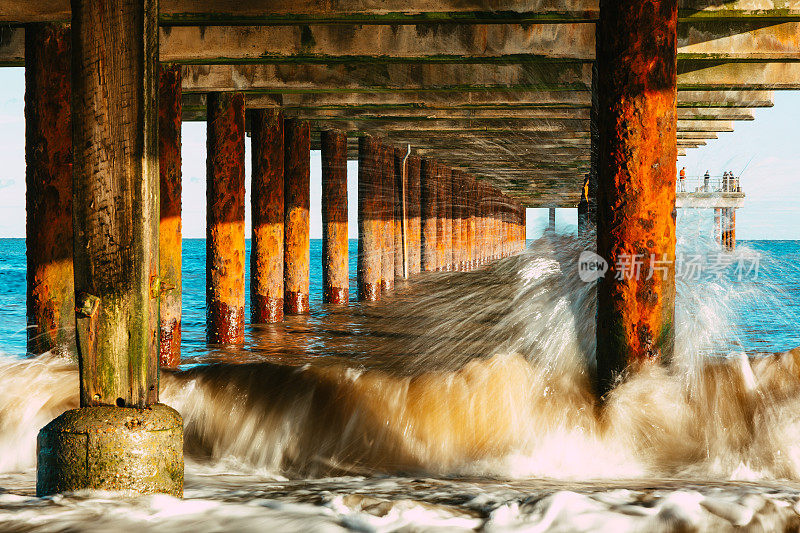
112, 448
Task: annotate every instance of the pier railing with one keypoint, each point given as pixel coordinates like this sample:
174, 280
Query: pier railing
715, 192
714, 184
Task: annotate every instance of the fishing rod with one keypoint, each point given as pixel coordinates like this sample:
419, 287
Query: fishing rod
745, 167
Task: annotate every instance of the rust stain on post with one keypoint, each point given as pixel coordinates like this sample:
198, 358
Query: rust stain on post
266, 197
497, 224
297, 251
429, 216
480, 221
491, 202
444, 204
637, 74
334, 218
471, 197
414, 231
48, 181
465, 250
457, 216
387, 214
169, 230
225, 255
398, 157
370, 224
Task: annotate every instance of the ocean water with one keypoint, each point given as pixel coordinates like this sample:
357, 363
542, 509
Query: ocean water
462, 401
759, 327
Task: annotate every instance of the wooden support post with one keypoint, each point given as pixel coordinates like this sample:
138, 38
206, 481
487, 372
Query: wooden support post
456, 217
266, 200
727, 224
335, 282
480, 221
583, 209
297, 240
551, 225
169, 231
444, 234
724, 235
498, 224
398, 162
115, 202
469, 222
495, 218
501, 217
472, 235
413, 206
225, 255
505, 233
387, 194
505, 230
429, 214
488, 239
464, 212
120, 438
48, 181
464, 199
637, 93
591, 185
466, 218
512, 227
370, 224
489, 220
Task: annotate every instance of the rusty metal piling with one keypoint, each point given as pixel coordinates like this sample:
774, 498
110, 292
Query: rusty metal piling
388, 213
335, 283
296, 226
637, 95
48, 180
266, 197
370, 224
225, 255
429, 215
169, 231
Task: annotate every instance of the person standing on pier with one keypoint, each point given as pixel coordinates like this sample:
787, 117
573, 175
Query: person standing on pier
706, 178
682, 180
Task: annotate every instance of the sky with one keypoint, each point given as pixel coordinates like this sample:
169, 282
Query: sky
771, 181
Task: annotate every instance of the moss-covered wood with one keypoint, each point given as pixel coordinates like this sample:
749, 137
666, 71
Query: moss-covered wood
116, 200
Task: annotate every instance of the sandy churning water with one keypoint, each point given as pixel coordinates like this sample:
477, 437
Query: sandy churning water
469, 405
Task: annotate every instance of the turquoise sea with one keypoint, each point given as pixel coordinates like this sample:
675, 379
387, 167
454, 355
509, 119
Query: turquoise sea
767, 321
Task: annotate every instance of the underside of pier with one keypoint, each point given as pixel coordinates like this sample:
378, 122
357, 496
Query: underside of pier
461, 113
498, 89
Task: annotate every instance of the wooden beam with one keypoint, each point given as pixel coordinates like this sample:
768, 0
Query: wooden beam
456, 125
256, 11
732, 85
469, 100
194, 106
353, 43
402, 77
716, 75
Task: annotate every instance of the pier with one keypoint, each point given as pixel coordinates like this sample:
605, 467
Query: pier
460, 114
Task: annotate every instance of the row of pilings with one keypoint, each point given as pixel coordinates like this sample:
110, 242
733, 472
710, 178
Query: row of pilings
725, 227
97, 127
415, 214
